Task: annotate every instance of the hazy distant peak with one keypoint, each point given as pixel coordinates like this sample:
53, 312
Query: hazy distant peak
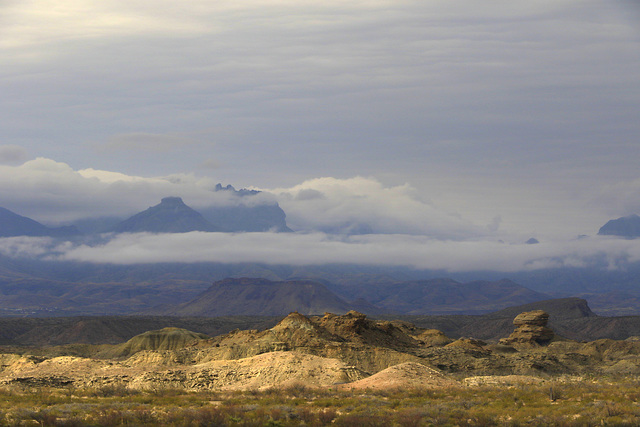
626, 226
172, 215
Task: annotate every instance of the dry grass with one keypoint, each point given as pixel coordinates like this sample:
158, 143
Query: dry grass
576, 404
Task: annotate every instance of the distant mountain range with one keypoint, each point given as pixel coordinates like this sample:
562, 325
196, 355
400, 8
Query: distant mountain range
252, 296
569, 317
447, 296
172, 215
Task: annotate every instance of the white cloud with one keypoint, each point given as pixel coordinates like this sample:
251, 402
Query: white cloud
29, 247
367, 86
333, 204
112, 177
319, 249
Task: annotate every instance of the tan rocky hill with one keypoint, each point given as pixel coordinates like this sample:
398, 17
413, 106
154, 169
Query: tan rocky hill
346, 351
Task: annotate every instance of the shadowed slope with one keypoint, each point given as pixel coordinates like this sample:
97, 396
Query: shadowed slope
263, 298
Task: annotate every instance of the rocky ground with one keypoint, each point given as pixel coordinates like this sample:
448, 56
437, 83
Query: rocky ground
342, 352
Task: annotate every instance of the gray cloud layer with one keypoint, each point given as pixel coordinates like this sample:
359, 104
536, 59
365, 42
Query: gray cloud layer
523, 87
318, 249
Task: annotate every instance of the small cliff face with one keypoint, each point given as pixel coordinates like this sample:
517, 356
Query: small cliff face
531, 330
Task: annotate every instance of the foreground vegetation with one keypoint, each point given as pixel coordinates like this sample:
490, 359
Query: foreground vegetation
564, 404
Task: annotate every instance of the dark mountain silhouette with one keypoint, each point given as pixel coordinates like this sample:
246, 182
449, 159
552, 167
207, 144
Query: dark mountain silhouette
245, 216
170, 216
12, 224
263, 298
628, 226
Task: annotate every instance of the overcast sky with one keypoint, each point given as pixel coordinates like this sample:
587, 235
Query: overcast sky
467, 119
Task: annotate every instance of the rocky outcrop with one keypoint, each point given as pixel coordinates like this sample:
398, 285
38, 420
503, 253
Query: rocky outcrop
531, 329
433, 338
356, 327
532, 318
353, 338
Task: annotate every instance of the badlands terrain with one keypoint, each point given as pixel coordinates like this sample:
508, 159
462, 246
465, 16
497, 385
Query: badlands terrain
330, 369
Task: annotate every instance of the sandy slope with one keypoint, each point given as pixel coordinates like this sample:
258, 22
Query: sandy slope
406, 376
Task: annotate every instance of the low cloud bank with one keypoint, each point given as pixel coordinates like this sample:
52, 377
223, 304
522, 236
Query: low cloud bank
319, 249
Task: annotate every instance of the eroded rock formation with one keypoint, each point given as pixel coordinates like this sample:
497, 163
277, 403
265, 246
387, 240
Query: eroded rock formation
531, 330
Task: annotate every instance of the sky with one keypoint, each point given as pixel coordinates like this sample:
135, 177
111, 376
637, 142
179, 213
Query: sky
455, 122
